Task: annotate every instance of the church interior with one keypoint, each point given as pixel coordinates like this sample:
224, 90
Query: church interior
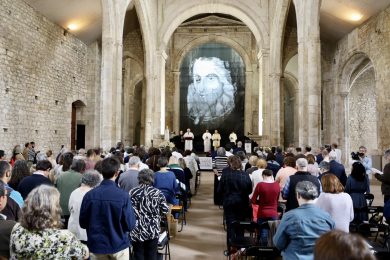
291, 73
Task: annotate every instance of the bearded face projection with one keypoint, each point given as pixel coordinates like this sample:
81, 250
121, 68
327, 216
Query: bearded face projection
211, 94
212, 89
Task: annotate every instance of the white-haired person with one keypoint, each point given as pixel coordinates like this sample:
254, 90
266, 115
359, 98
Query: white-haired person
149, 204
288, 192
299, 228
90, 179
39, 234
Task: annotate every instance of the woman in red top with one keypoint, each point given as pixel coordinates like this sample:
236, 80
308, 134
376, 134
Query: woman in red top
266, 195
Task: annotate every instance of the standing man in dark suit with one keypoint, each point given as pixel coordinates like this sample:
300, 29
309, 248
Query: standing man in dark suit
288, 192
337, 168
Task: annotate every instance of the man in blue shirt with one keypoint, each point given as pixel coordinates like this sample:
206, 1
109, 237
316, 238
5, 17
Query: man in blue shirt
108, 216
299, 228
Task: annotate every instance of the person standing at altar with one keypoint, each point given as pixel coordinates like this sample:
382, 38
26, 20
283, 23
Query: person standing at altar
207, 141
233, 138
188, 137
216, 140
166, 134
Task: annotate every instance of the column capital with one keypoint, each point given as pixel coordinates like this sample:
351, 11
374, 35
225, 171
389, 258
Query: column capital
263, 53
162, 54
276, 75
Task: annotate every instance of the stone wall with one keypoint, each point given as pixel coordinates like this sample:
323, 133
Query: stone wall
42, 71
372, 40
362, 112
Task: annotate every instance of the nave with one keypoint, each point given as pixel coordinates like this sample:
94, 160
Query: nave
203, 237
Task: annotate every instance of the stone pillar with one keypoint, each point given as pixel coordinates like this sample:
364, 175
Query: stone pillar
176, 100
128, 109
275, 96
264, 103
309, 71
159, 116
343, 126
111, 72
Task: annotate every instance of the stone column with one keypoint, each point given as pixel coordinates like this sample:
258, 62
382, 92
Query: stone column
275, 96
343, 126
159, 117
264, 103
248, 102
309, 71
128, 127
111, 71
176, 100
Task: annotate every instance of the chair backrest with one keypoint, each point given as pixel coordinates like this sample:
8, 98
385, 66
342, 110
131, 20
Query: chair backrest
369, 230
246, 228
376, 214
369, 198
263, 252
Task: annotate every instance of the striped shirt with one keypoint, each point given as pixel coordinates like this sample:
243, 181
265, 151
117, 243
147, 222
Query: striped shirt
148, 203
219, 163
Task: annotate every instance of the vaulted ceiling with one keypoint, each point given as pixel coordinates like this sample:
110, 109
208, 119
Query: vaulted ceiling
337, 16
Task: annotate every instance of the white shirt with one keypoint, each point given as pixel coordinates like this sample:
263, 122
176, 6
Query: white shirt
75, 200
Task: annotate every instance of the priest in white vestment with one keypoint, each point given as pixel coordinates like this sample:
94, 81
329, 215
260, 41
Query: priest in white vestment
216, 137
207, 141
233, 137
188, 137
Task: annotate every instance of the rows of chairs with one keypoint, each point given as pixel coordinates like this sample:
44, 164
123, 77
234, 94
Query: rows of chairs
376, 230
180, 211
243, 240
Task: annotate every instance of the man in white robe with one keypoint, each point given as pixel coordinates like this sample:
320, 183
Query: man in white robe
216, 137
188, 137
233, 138
207, 141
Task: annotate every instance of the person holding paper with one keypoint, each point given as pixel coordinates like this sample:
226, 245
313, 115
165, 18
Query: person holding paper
384, 177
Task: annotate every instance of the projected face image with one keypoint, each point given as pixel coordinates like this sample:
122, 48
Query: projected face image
211, 93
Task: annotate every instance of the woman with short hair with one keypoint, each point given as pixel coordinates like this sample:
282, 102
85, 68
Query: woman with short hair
89, 180
148, 203
219, 163
357, 185
336, 202
38, 236
265, 197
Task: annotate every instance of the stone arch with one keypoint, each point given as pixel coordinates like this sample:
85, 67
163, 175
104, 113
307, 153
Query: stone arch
185, 11
289, 109
132, 74
249, 75
218, 39
277, 34
356, 85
